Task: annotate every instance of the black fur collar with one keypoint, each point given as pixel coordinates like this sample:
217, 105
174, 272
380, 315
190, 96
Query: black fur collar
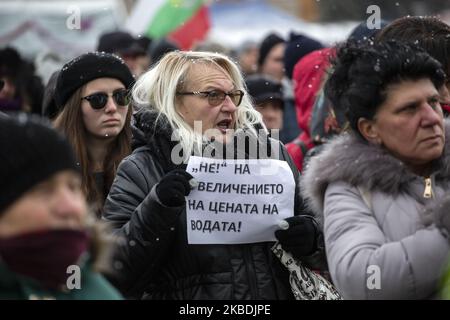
154, 131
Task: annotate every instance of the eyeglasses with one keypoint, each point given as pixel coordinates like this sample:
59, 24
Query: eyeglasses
98, 100
216, 97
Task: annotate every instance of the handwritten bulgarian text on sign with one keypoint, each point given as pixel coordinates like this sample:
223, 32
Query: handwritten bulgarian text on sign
237, 201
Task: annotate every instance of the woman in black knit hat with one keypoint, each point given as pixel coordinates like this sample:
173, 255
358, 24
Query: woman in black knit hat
46, 242
92, 92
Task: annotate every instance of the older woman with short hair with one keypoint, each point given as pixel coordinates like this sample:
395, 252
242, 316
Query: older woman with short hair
379, 185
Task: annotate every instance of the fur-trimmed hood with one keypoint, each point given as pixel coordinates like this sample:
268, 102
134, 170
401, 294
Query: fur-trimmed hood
350, 159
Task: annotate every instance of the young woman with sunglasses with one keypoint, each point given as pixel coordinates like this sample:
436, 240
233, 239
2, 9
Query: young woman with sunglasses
146, 205
92, 92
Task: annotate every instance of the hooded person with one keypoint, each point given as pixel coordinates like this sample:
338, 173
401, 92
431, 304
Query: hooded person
308, 76
315, 114
44, 225
297, 46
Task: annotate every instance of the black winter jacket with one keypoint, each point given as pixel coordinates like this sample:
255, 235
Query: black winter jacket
155, 259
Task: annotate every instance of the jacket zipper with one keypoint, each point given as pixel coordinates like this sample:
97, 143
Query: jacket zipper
428, 192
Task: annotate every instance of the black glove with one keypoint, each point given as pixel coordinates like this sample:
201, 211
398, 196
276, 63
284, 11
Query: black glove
173, 187
300, 239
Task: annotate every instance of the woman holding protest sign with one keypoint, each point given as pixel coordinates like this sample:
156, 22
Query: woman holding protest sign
196, 100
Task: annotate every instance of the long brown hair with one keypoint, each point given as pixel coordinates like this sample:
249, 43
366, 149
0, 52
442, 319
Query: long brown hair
70, 122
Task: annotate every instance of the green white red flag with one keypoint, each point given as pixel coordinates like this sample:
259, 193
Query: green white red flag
185, 22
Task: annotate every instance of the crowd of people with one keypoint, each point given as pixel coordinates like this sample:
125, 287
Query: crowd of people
96, 178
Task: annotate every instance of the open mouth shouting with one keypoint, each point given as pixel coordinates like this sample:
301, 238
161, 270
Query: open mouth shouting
224, 125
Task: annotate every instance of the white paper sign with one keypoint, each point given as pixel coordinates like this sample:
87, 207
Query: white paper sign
238, 201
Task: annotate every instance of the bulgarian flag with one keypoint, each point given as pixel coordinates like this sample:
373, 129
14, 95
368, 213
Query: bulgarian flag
183, 21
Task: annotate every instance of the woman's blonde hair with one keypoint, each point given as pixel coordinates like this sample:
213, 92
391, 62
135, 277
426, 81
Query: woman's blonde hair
157, 88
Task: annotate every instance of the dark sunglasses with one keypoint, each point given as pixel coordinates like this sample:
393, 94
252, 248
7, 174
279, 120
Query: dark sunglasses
98, 100
216, 97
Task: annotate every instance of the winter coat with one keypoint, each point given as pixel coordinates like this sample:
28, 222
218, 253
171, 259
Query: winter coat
156, 261
93, 286
380, 230
307, 78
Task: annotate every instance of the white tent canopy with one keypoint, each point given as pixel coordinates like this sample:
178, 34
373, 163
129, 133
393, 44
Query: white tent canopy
233, 23
34, 27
